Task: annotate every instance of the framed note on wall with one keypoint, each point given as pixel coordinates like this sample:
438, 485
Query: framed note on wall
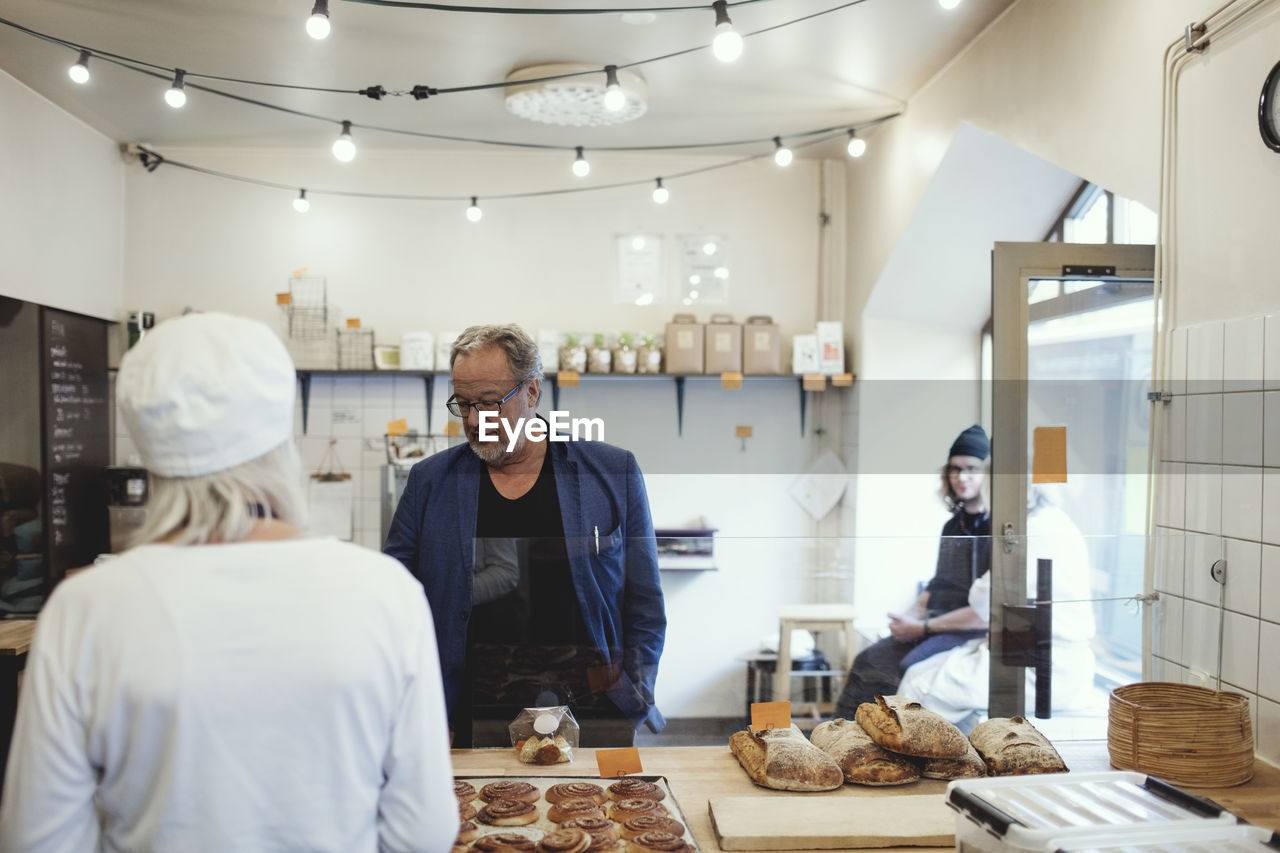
639, 269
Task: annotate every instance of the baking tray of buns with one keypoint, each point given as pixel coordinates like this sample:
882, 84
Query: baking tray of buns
638, 796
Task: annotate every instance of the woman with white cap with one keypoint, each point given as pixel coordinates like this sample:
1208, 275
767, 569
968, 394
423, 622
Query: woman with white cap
228, 684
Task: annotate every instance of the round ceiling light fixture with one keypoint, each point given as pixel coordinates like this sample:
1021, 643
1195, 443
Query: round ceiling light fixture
573, 101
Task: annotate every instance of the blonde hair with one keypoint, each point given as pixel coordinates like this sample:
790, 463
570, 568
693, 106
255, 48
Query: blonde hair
949, 497
225, 505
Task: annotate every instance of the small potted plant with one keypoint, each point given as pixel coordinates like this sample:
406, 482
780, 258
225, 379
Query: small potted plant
649, 355
624, 357
573, 355
600, 357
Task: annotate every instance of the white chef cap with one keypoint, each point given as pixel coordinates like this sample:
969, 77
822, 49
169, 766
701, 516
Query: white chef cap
206, 392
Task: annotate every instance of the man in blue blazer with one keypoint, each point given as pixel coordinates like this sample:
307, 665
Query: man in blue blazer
589, 568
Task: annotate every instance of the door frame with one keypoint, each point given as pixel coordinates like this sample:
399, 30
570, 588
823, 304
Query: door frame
1012, 266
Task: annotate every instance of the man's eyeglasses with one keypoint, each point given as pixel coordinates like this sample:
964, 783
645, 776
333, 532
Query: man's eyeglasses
957, 470
461, 408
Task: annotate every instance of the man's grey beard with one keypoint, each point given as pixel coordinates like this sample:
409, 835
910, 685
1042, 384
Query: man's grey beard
492, 453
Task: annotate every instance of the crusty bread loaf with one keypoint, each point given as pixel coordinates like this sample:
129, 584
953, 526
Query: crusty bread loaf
1011, 746
862, 761
783, 759
969, 766
904, 725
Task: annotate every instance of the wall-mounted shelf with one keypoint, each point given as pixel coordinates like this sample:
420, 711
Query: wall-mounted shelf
686, 549
811, 383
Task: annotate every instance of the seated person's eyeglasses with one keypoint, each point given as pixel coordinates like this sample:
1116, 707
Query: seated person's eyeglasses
461, 408
964, 469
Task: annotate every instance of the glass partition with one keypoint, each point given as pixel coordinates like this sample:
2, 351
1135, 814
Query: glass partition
645, 653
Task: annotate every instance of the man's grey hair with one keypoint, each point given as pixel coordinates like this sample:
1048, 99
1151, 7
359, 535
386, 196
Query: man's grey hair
520, 349
225, 505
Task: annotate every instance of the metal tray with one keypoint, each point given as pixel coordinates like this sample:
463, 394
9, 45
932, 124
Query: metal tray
544, 824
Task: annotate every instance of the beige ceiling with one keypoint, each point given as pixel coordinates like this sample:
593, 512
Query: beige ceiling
848, 66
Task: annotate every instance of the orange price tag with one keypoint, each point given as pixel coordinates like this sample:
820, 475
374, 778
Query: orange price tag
730, 381
567, 379
742, 432
770, 715
618, 762
398, 427
1049, 464
284, 298
353, 322
452, 428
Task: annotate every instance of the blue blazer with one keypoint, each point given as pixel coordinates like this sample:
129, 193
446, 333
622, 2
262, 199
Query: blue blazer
600, 488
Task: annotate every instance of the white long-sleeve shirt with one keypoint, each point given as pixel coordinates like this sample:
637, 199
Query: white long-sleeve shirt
252, 696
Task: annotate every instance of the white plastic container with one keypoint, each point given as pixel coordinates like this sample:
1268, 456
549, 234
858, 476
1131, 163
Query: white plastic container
1026, 813
1215, 838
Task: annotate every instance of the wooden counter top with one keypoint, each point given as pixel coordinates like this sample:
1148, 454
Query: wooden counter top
15, 636
699, 773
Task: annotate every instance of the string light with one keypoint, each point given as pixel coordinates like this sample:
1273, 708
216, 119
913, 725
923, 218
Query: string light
614, 98
343, 147
474, 213
300, 203
581, 167
80, 71
727, 44
176, 95
948, 4
857, 145
660, 193
781, 153
318, 23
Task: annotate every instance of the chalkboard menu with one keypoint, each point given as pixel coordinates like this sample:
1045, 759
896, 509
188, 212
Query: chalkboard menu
77, 437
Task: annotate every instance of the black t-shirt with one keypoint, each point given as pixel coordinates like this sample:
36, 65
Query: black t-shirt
543, 609
964, 555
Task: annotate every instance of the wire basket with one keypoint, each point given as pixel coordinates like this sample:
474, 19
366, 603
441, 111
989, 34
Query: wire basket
355, 349
410, 448
1186, 734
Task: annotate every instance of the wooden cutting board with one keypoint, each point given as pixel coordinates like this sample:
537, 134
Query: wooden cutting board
823, 823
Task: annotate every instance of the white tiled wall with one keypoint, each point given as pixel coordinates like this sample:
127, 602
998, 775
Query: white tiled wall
1219, 498
351, 412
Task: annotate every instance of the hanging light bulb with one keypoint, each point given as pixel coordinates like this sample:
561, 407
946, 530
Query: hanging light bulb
727, 44
80, 71
857, 145
300, 203
781, 154
614, 98
318, 23
343, 148
581, 167
660, 193
474, 213
176, 95
948, 4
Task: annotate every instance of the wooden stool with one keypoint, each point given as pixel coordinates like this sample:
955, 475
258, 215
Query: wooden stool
813, 617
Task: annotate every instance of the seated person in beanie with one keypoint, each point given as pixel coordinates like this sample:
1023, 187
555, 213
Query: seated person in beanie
227, 684
941, 617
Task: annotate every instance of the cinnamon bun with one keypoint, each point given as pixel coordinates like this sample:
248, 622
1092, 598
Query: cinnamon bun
521, 791
565, 841
651, 823
508, 813
575, 791
624, 810
627, 789
658, 842
567, 809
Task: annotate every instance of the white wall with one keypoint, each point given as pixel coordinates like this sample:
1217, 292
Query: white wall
1080, 85
547, 264
61, 228
400, 266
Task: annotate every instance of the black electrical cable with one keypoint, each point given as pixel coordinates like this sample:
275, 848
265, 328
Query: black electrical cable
516, 10
156, 159
414, 91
